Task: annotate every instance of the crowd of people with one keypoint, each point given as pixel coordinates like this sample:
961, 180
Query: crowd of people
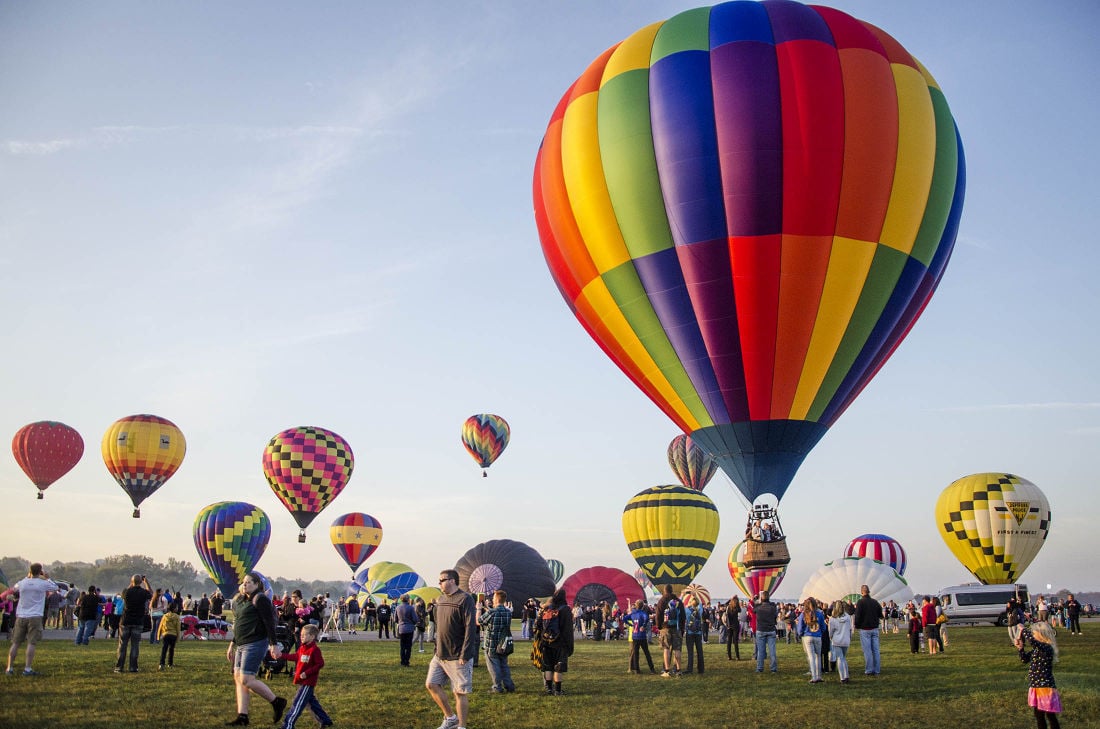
464, 628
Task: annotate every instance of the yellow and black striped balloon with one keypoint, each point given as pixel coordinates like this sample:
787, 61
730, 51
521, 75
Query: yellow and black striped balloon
670, 531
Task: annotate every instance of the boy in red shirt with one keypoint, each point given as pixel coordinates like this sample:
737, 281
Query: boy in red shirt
309, 663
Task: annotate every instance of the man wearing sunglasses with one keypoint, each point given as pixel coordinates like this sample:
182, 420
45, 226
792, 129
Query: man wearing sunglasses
455, 648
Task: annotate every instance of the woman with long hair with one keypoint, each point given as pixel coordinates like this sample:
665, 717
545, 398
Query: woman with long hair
810, 626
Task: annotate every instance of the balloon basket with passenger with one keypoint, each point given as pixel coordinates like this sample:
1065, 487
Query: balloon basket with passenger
765, 542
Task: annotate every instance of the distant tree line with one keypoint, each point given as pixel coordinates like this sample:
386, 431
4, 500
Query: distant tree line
112, 574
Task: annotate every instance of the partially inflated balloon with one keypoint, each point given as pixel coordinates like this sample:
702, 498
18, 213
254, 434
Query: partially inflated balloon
355, 537
46, 451
994, 523
230, 537
691, 464
505, 564
670, 531
485, 437
747, 207
385, 580
593, 585
142, 452
307, 468
878, 547
842, 579
751, 581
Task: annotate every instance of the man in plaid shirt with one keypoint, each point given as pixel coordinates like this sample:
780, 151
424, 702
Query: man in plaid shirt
496, 625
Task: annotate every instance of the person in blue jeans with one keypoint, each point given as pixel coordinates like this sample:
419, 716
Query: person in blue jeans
766, 616
87, 616
693, 635
867, 617
496, 625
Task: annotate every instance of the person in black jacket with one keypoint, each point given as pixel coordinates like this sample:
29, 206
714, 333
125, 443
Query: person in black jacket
253, 638
868, 615
554, 641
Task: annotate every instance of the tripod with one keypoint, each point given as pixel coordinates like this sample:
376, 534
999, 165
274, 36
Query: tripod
333, 625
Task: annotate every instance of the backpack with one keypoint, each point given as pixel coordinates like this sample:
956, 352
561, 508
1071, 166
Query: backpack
551, 630
694, 621
672, 613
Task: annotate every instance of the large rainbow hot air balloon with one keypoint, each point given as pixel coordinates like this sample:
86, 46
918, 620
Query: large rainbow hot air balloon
994, 523
355, 536
747, 207
142, 452
485, 437
307, 468
230, 537
46, 451
692, 465
751, 581
670, 531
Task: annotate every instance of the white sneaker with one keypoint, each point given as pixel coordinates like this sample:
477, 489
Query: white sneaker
451, 722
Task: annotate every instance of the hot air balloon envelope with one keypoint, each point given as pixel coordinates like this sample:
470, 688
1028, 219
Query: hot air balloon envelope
307, 468
670, 531
994, 523
485, 437
692, 465
355, 536
505, 564
593, 585
843, 578
46, 451
230, 537
747, 207
142, 452
878, 547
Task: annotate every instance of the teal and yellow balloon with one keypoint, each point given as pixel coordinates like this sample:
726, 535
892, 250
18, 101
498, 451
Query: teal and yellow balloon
670, 531
230, 537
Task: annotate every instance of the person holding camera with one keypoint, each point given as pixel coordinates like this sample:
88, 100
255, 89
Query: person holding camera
28, 615
135, 607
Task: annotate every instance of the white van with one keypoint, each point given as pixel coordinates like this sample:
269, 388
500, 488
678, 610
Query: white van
977, 603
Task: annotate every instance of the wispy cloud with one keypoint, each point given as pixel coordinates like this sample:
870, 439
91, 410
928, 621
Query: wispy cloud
1032, 406
21, 148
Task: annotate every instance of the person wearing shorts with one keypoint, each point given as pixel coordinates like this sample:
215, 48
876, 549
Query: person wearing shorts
28, 615
253, 638
455, 648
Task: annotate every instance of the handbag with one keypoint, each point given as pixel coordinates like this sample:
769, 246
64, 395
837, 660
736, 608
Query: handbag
146, 624
505, 647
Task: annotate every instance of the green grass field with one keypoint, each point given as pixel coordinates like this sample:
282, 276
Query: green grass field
979, 681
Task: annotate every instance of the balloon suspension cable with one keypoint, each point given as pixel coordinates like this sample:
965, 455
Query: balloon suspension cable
301, 536
137, 513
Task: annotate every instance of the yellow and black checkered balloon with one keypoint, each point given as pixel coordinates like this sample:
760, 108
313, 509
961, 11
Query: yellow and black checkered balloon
994, 523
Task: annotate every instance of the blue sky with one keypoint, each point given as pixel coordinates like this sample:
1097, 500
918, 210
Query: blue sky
245, 217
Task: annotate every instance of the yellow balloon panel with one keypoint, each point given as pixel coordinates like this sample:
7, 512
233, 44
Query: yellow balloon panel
670, 531
994, 523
